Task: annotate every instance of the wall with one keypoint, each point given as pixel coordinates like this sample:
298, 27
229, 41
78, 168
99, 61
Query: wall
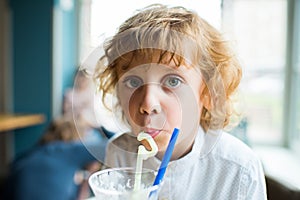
5, 90
32, 63
33, 76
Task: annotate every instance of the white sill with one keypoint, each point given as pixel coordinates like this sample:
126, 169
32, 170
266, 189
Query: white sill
281, 164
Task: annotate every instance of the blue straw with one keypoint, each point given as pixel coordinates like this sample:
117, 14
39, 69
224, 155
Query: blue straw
166, 158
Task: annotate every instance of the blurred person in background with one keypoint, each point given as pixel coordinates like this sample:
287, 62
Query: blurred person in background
78, 103
58, 166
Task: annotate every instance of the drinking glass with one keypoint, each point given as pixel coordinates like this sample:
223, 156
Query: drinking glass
118, 184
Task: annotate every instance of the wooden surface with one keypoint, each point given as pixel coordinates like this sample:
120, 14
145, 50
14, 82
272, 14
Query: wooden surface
15, 121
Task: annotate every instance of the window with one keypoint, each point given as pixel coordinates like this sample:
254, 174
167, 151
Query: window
259, 28
100, 20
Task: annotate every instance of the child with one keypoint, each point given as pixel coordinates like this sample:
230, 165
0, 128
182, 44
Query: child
171, 69
78, 103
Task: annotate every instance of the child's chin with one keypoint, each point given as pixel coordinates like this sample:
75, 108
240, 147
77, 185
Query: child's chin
162, 139
162, 147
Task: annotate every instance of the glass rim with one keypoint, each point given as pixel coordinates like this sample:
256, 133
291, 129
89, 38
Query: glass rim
125, 169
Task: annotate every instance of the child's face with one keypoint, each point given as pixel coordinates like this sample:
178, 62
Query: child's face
156, 98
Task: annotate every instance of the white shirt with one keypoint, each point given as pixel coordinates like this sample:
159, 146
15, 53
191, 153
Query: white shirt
219, 166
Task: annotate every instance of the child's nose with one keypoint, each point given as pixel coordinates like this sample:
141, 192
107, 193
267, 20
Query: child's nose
150, 103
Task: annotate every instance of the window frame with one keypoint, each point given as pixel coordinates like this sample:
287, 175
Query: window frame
292, 140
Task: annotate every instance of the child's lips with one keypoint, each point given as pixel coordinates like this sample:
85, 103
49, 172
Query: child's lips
152, 132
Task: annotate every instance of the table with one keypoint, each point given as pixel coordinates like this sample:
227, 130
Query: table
15, 121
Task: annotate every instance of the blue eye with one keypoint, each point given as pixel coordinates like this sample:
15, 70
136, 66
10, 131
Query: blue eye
133, 82
172, 82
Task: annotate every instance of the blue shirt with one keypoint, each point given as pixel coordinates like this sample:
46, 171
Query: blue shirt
47, 171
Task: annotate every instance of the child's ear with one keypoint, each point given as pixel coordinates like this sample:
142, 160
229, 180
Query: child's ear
205, 97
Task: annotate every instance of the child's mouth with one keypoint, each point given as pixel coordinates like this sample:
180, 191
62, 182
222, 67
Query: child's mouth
152, 132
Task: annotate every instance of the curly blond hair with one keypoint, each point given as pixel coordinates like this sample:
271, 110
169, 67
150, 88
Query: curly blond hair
181, 36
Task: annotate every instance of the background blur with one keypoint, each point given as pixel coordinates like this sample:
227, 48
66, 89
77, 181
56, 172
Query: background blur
42, 43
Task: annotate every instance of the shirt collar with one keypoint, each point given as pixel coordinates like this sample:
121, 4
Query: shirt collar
203, 145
